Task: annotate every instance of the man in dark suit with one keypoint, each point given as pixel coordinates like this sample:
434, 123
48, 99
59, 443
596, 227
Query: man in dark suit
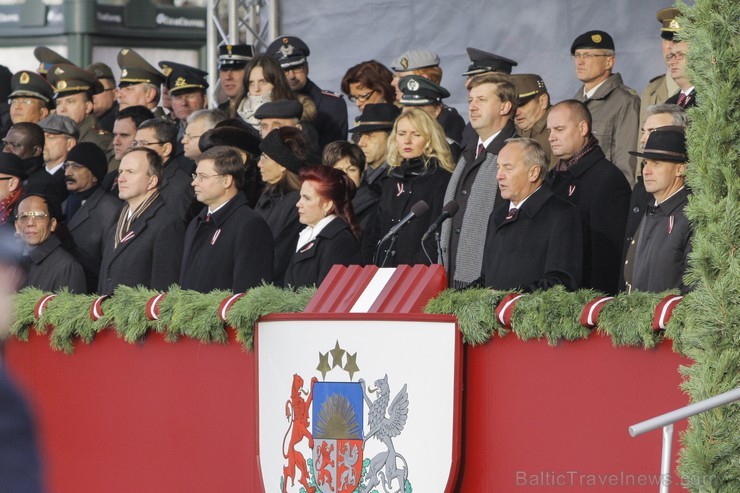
686, 96
145, 246
89, 210
534, 239
228, 245
597, 187
492, 104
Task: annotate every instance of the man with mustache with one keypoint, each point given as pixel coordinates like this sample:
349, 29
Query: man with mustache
89, 210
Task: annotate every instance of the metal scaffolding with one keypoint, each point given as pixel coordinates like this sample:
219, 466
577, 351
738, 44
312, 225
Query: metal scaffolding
252, 22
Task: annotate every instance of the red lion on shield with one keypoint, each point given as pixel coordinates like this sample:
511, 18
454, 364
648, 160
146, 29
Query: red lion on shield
296, 410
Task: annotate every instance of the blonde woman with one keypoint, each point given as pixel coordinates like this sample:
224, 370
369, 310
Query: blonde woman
420, 165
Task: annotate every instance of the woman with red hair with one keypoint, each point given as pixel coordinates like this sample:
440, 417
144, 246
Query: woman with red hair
330, 236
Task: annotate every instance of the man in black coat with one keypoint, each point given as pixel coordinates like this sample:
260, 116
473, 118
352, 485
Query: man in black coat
331, 119
597, 187
89, 210
228, 245
145, 246
534, 239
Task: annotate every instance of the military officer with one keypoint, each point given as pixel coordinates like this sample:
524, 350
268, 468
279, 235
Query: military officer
232, 61
420, 92
75, 88
187, 87
47, 58
533, 104
426, 64
105, 106
331, 119
140, 83
30, 97
662, 87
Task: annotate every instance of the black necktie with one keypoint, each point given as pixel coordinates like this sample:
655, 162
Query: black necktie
481, 150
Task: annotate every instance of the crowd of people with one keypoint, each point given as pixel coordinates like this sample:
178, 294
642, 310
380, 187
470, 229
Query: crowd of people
142, 182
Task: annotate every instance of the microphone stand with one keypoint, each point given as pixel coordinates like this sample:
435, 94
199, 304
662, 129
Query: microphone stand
390, 248
438, 241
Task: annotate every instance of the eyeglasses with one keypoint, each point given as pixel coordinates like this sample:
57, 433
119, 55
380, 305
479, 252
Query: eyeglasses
676, 56
146, 143
187, 136
201, 177
585, 56
20, 101
25, 217
361, 97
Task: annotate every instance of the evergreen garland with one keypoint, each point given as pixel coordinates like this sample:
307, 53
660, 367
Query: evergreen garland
628, 319
69, 319
125, 312
553, 314
24, 303
475, 311
709, 327
192, 314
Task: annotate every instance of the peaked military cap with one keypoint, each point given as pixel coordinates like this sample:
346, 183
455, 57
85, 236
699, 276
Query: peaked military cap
420, 91
284, 108
136, 70
183, 78
415, 60
234, 56
71, 79
668, 23
593, 39
289, 51
60, 125
482, 62
528, 86
665, 144
101, 70
47, 58
12, 165
27, 84
374, 117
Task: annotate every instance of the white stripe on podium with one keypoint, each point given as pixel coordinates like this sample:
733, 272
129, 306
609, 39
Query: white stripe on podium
373, 290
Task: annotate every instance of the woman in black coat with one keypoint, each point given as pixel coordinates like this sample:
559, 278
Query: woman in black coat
330, 236
420, 167
284, 152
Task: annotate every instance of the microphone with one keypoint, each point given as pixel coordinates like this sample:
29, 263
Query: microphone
417, 210
448, 211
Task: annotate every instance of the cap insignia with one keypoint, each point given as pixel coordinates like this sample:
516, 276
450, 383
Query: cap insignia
596, 38
285, 40
286, 50
166, 70
124, 73
405, 62
61, 85
413, 85
58, 71
124, 51
229, 48
181, 82
673, 24
25, 78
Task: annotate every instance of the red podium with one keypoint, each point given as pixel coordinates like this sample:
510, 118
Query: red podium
183, 417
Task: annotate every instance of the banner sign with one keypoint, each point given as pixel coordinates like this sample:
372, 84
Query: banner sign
358, 405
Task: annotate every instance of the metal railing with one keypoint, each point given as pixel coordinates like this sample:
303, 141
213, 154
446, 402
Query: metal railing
667, 420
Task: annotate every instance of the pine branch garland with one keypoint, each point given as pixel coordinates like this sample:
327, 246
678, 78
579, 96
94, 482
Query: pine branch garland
125, 312
553, 314
69, 319
628, 319
475, 310
192, 314
25, 303
261, 301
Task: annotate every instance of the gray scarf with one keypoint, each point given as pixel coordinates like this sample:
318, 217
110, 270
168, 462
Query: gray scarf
469, 257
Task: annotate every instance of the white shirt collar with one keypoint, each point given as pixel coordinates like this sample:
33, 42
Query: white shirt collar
590, 94
488, 141
55, 168
309, 234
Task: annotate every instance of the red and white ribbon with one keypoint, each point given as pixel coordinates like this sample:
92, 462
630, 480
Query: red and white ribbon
505, 309
590, 313
664, 311
152, 306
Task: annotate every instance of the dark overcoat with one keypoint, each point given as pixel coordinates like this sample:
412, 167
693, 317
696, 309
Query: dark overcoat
539, 247
281, 214
602, 195
335, 244
150, 256
231, 251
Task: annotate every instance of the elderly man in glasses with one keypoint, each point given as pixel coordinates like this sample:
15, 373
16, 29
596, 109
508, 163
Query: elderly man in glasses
614, 107
174, 184
228, 245
48, 266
